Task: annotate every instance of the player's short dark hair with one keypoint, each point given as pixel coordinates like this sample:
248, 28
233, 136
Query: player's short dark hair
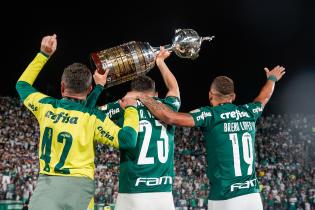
143, 83
223, 85
77, 77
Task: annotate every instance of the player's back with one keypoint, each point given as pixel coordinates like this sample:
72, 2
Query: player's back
67, 131
149, 167
230, 136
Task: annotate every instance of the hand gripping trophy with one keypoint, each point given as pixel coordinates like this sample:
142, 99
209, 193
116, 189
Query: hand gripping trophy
134, 58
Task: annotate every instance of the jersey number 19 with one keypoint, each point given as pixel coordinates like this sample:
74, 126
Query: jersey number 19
248, 156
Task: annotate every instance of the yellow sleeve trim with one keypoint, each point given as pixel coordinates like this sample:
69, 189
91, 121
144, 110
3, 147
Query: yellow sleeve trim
131, 118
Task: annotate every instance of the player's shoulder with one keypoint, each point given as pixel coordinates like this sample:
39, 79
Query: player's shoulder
171, 101
253, 107
48, 100
202, 109
108, 106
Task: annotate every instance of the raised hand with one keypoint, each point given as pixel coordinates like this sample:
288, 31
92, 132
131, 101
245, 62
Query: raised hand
163, 54
277, 71
49, 44
100, 79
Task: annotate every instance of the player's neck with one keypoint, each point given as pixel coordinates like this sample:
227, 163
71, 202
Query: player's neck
74, 96
223, 102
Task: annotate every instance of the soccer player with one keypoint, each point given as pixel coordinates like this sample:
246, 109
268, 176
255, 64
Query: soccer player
147, 171
229, 132
68, 131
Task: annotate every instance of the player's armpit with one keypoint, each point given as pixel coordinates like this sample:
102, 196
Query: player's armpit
30, 97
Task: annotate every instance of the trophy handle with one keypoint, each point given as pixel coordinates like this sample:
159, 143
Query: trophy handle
168, 47
207, 38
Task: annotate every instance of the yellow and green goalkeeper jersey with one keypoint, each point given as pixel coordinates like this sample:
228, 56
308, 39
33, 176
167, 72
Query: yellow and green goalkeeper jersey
69, 129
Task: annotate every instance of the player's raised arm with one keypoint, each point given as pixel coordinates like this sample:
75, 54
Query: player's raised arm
165, 114
266, 92
100, 81
107, 132
24, 84
168, 77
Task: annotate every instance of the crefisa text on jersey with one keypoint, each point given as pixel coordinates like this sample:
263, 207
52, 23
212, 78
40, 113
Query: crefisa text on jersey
61, 117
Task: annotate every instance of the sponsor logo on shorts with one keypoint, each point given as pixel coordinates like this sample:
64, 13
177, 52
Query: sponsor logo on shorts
154, 181
244, 185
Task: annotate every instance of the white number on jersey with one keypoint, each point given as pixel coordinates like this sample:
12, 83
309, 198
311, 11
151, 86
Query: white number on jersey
162, 144
248, 156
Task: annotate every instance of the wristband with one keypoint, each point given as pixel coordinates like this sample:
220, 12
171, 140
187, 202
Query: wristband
272, 78
45, 54
99, 85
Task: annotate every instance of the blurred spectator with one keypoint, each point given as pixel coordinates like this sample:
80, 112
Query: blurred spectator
285, 164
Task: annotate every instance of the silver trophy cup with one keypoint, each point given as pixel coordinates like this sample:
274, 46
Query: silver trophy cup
128, 60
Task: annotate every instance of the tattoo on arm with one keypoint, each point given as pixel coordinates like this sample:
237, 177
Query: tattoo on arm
153, 104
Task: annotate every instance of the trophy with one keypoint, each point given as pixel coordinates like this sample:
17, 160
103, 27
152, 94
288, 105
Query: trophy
128, 60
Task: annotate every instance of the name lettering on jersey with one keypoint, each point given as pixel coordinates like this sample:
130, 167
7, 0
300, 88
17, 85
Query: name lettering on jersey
104, 133
61, 117
234, 114
145, 114
203, 115
257, 110
32, 107
245, 185
239, 126
139, 103
154, 181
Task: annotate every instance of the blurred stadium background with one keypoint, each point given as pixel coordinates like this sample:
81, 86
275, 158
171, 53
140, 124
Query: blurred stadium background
285, 151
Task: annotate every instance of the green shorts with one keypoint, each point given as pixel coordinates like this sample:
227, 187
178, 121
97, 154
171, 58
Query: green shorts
62, 193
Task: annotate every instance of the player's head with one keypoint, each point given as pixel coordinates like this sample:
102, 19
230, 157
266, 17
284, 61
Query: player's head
221, 91
143, 84
76, 80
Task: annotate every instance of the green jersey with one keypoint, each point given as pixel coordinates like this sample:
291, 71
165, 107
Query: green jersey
149, 167
229, 132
